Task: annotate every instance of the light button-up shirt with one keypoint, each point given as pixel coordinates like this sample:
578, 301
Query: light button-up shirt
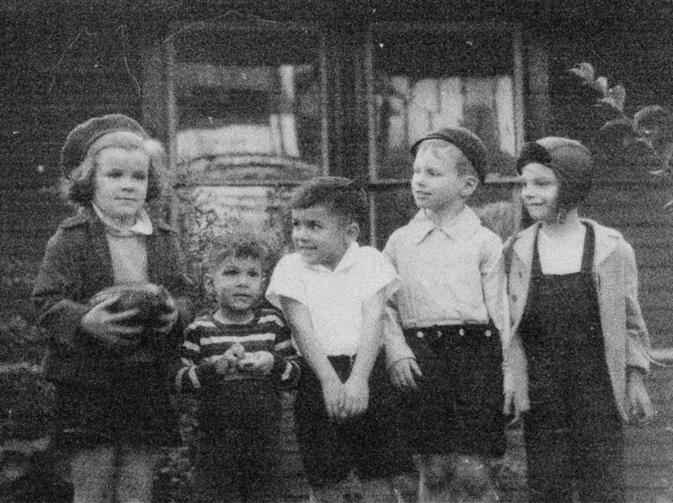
450, 275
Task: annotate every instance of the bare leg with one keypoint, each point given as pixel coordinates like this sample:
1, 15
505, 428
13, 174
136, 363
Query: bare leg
92, 474
136, 469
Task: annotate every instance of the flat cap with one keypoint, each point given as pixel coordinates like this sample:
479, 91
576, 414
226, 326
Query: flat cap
466, 141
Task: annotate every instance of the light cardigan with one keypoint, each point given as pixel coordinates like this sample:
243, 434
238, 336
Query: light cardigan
627, 342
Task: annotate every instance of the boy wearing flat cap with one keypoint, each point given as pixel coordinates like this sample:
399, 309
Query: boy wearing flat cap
447, 323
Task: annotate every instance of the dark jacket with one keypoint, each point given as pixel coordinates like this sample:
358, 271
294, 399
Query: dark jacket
76, 265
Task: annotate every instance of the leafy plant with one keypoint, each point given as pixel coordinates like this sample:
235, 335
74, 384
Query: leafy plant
649, 129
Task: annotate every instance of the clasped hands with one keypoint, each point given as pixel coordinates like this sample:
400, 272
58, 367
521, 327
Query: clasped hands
344, 400
237, 359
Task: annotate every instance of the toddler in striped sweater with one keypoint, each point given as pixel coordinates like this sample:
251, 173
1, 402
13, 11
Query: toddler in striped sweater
238, 359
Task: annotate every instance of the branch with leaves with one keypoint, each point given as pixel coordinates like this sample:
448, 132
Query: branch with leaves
650, 126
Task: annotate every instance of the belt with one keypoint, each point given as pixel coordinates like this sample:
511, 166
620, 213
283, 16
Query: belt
436, 333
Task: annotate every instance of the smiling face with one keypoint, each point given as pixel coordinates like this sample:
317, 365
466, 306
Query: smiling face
320, 236
237, 282
437, 184
540, 192
120, 183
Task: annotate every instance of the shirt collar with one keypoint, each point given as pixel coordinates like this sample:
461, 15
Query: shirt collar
143, 225
462, 226
347, 261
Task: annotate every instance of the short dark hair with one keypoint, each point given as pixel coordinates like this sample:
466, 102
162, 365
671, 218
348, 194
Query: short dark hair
239, 244
78, 186
340, 195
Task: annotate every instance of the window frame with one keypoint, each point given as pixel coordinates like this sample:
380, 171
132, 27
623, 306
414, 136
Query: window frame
379, 185
251, 26
513, 29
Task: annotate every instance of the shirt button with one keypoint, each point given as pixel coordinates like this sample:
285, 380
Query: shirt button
461, 332
514, 298
419, 334
488, 333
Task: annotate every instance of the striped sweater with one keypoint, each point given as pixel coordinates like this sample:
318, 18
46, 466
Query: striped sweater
206, 339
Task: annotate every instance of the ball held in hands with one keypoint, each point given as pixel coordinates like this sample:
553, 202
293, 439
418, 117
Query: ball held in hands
151, 301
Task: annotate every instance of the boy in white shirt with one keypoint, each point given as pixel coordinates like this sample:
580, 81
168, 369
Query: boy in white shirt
333, 293
445, 349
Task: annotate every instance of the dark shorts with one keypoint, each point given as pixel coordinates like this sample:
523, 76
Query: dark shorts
238, 464
239, 452
458, 406
331, 450
134, 409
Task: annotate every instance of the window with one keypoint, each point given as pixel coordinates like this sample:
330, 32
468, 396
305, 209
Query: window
422, 77
248, 96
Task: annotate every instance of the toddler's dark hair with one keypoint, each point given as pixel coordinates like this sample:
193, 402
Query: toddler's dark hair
239, 245
339, 195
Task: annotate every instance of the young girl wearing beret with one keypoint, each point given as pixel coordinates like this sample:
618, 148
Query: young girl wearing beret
110, 370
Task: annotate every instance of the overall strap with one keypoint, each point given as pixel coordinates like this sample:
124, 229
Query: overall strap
536, 266
589, 249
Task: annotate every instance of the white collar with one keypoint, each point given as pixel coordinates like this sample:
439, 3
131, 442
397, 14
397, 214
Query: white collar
142, 226
348, 260
462, 226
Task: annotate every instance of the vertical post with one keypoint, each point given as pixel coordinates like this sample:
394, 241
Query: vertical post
371, 130
539, 110
324, 107
171, 124
517, 58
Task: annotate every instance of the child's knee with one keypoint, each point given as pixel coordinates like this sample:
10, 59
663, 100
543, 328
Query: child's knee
91, 474
472, 475
135, 474
447, 477
380, 490
329, 493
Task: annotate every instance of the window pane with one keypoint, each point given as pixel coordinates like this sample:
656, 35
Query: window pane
393, 208
428, 79
249, 98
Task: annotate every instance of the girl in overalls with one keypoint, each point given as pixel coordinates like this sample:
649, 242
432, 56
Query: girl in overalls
580, 349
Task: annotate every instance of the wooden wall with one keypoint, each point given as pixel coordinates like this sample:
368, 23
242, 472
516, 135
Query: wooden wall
54, 76
625, 195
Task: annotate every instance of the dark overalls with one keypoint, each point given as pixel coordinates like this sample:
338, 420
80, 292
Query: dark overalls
573, 431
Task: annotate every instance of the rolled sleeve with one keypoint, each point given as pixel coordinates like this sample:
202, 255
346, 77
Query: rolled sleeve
286, 282
638, 339
494, 285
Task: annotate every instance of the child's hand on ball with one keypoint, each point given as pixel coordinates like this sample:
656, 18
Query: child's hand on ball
109, 328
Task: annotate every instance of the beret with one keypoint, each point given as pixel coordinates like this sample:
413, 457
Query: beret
83, 135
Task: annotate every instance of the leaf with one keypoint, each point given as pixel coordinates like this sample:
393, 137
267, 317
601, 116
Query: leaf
601, 85
618, 95
584, 71
609, 101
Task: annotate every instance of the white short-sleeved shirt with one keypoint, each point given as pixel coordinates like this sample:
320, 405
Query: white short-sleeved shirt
335, 298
